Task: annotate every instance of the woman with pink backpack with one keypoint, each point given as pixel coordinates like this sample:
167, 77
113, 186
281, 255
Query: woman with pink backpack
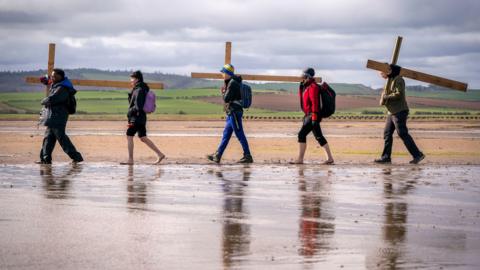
140, 104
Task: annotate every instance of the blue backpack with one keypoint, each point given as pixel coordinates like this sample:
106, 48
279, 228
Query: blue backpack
246, 92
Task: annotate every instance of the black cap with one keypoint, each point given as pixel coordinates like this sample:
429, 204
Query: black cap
309, 72
137, 75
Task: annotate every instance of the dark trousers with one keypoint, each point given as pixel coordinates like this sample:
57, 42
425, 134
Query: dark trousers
398, 122
307, 127
52, 135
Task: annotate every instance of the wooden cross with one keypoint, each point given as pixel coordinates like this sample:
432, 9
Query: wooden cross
416, 75
76, 82
248, 77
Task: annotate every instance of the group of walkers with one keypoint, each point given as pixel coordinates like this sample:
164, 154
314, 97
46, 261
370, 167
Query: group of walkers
58, 104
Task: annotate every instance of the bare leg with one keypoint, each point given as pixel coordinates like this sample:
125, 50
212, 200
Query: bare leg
149, 143
328, 154
302, 147
130, 151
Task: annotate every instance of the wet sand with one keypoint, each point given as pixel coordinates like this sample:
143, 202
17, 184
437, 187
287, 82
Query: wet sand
272, 142
106, 216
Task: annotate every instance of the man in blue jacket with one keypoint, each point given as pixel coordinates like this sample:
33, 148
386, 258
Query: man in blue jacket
55, 117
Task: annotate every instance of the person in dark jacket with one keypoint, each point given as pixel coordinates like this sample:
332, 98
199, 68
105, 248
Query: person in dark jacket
137, 118
55, 117
393, 98
232, 96
309, 101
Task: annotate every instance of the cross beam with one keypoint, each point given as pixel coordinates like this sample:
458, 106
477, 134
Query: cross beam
416, 75
248, 77
98, 83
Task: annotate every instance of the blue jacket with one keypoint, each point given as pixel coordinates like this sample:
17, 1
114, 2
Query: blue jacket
55, 113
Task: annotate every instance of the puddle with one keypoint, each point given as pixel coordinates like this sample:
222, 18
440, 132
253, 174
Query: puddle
103, 216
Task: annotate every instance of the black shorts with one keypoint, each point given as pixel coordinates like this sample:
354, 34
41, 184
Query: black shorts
141, 129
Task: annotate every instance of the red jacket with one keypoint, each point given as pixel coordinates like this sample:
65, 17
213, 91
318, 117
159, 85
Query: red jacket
309, 99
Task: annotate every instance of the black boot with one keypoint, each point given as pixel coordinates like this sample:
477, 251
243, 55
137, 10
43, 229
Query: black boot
215, 157
417, 159
383, 160
247, 158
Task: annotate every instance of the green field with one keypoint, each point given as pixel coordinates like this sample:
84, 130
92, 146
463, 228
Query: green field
182, 104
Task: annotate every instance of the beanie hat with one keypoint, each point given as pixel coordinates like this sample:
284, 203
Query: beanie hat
228, 69
309, 72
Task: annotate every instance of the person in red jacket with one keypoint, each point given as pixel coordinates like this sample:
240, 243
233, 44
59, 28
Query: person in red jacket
310, 104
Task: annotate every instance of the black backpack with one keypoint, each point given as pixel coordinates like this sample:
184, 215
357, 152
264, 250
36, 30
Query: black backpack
327, 95
71, 104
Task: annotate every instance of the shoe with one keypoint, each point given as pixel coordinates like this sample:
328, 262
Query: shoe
383, 160
417, 159
246, 159
77, 160
215, 157
43, 162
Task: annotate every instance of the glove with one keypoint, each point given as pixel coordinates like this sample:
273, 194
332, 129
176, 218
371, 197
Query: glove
45, 80
315, 123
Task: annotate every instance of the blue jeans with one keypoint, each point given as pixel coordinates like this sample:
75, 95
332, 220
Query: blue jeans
234, 124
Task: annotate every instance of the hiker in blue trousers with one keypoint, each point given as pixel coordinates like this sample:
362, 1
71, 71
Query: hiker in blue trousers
232, 97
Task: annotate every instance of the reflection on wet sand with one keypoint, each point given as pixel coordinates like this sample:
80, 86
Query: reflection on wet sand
236, 217
316, 226
137, 189
396, 187
235, 229
57, 186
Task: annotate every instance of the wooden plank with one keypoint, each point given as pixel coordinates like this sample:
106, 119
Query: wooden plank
420, 76
394, 60
228, 52
248, 77
101, 83
50, 63
396, 50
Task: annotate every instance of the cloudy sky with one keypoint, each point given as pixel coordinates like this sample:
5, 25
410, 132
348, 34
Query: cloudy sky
441, 37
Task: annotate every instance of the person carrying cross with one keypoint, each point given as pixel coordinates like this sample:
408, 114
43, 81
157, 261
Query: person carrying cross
55, 117
393, 98
232, 96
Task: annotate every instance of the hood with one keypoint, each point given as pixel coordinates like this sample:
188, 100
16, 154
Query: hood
235, 78
142, 85
67, 84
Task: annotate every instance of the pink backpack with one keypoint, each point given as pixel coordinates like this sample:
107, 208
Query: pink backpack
150, 102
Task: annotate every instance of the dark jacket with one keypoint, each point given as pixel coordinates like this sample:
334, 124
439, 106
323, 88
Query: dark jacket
309, 99
55, 113
394, 97
231, 94
136, 98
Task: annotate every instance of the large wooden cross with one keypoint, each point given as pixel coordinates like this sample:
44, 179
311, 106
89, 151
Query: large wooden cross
77, 82
412, 74
248, 77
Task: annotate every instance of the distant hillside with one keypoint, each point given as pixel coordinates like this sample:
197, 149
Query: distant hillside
15, 82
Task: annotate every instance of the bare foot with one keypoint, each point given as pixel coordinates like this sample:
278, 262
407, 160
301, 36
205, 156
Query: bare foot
328, 162
159, 159
130, 162
296, 162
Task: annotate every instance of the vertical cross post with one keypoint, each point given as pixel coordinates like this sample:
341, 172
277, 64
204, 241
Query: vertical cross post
228, 52
51, 62
395, 54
